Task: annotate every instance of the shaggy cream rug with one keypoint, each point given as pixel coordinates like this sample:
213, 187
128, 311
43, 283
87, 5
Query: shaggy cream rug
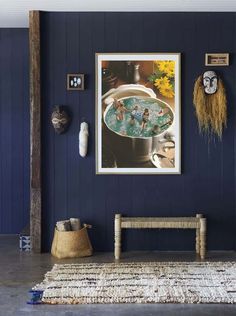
153, 282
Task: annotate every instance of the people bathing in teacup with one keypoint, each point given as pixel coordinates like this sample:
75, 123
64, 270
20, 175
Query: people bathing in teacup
115, 104
136, 114
162, 112
120, 110
155, 130
145, 118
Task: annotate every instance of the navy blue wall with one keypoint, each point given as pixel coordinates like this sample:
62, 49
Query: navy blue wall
70, 186
14, 130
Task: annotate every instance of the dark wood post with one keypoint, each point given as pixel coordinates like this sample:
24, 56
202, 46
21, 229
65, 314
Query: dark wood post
35, 132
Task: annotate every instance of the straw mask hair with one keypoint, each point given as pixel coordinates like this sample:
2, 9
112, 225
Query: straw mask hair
211, 110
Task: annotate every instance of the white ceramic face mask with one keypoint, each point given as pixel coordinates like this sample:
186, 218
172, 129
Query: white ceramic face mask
210, 82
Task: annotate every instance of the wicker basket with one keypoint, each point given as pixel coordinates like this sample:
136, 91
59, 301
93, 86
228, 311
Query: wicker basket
71, 244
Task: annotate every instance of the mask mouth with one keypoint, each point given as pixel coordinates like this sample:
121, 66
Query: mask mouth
59, 125
210, 89
59, 130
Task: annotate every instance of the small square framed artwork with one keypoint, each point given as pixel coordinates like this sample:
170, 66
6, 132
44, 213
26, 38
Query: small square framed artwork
217, 59
75, 81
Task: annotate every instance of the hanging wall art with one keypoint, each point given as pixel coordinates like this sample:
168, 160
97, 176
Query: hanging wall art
60, 119
83, 139
216, 59
75, 81
209, 99
138, 113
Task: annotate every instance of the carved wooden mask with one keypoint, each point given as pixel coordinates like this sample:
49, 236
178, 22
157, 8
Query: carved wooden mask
60, 120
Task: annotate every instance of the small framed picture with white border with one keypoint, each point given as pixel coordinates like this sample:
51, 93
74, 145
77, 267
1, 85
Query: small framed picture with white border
75, 81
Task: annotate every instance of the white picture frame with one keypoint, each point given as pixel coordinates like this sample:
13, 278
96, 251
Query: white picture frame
121, 88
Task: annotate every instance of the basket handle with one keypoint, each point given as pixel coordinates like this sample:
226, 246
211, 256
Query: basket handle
87, 226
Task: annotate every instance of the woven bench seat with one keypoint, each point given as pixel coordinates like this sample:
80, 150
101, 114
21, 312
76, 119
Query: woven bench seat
198, 223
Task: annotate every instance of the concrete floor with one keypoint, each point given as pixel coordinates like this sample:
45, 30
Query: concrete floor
20, 271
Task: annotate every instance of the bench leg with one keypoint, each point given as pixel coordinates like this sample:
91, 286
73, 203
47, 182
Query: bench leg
198, 235
203, 232
117, 236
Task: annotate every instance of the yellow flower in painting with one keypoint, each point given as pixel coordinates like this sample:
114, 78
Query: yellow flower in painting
157, 62
167, 91
167, 67
163, 81
164, 86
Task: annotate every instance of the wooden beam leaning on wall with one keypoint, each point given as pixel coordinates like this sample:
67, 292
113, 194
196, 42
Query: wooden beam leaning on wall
35, 132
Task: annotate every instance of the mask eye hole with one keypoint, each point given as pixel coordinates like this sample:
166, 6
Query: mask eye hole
63, 121
59, 121
55, 120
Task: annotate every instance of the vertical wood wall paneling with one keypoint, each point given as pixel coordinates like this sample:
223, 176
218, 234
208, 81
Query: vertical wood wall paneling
35, 133
73, 65
6, 131
207, 182
14, 130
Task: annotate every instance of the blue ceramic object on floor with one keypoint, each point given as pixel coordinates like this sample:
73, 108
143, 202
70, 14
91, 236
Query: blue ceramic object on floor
36, 297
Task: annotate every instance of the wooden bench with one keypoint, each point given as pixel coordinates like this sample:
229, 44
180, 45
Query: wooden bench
198, 223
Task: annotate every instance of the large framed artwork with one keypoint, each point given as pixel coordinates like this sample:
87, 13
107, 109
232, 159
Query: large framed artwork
138, 113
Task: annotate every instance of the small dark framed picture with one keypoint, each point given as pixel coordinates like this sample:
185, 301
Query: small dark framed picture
75, 81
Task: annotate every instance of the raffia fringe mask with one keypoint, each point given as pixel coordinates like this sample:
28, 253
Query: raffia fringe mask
211, 110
